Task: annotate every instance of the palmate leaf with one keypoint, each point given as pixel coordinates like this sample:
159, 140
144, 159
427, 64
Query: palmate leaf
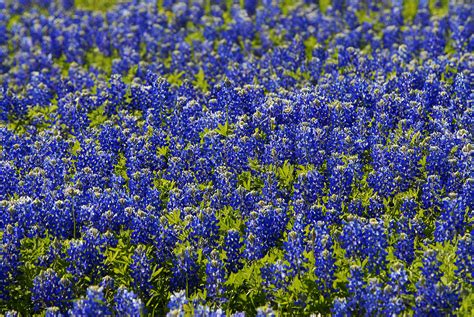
175, 78
224, 129
286, 173
200, 81
97, 116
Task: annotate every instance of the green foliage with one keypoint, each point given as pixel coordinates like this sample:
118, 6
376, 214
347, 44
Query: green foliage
99, 61
101, 5
97, 116
245, 291
298, 75
119, 258
165, 187
229, 219
13, 20
324, 4
75, 148
309, 44
286, 174
439, 11
128, 79
467, 304
286, 6
200, 81
42, 117
245, 287
249, 181
277, 37
409, 9
175, 78
195, 36
121, 168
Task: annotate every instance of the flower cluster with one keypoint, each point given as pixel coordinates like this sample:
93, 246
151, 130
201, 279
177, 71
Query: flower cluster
217, 158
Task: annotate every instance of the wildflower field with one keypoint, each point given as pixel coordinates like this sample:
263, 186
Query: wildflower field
236, 158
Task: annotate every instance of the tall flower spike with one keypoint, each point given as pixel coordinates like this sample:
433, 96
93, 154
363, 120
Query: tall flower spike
465, 259
141, 271
127, 303
215, 278
323, 249
232, 248
294, 252
433, 297
185, 272
94, 304
51, 290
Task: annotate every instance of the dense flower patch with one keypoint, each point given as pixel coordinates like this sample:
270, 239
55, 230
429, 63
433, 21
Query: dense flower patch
208, 158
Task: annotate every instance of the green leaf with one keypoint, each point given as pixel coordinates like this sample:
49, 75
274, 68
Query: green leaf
97, 116
175, 78
224, 129
156, 272
309, 44
201, 81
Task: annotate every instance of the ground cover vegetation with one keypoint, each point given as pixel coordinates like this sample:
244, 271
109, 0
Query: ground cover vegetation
226, 158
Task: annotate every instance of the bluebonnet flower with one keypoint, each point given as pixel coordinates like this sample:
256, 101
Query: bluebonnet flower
144, 225
294, 248
67, 4
8, 180
274, 277
373, 298
232, 248
356, 288
432, 295
111, 139
177, 303
431, 191
85, 256
12, 313
376, 245
94, 304
451, 221
127, 303
396, 291
366, 241
340, 307
349, 241
341, 179
405, 246
165, 242
51, 290
309, 187
409, 208
263, 230
115, 94
323, 248
382, 181
204, 230
201, 310
53, 253
141, 270
215, 278
107, 283
141, 124
10, 255
464, 258
185, 272
265, 312
53, 312
251, 6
